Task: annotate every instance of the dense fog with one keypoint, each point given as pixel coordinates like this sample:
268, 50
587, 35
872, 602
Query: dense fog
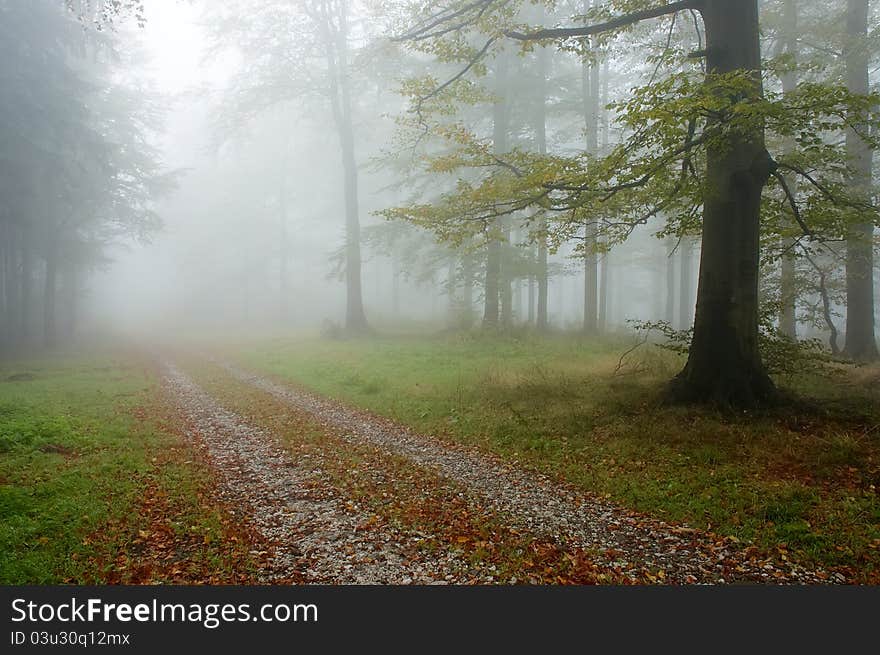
274, 152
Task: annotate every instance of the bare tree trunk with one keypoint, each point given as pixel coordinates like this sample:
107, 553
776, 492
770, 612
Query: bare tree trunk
788, 279
670, 282
71, 279
7, 252
467, 274
395, 282
860, 341
591, 283
506, 279
283, 278
531, 299
543, 55
686, 291
50, 335
355, 318
604, 289
495, 284
452, 304
590, 89
26, 282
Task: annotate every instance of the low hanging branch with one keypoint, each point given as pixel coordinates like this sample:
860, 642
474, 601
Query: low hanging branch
792, 202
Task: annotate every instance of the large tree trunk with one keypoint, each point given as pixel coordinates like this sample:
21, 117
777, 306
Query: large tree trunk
724, 365
860, 342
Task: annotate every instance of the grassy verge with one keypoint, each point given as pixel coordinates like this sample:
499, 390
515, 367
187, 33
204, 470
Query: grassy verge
93, 488
802, 481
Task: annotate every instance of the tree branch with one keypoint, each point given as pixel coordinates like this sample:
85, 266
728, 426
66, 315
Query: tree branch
792, 203
613, 24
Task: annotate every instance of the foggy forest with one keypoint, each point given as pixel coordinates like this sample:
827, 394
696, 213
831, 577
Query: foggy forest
392, 292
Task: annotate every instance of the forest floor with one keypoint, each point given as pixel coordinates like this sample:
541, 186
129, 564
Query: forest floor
426, 461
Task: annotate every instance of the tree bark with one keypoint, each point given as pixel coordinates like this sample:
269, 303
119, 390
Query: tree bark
724, 365
860, 341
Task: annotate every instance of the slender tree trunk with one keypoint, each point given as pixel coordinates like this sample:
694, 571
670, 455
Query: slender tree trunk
50, 335
590, 89
395, 282
7, 252
283, 278
452, 304
26, 282
467, 274
788, 278
605, 271
685, 295
490, 286
495, 284
591, 283
355, 318
541, 322
531, 299
860, 341
71, 279
560, 302
670, 282
506, 279
724, 365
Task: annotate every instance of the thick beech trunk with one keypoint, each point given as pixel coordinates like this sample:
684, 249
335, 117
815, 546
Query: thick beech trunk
724, 365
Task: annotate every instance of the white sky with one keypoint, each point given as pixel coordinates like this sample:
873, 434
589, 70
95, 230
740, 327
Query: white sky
175, 42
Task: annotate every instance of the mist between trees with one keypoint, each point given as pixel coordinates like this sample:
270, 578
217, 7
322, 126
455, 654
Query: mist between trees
704, 166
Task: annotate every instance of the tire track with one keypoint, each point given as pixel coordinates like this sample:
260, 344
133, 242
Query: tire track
316, 537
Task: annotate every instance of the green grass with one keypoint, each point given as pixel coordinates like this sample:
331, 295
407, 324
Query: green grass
802, 479
79, 456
